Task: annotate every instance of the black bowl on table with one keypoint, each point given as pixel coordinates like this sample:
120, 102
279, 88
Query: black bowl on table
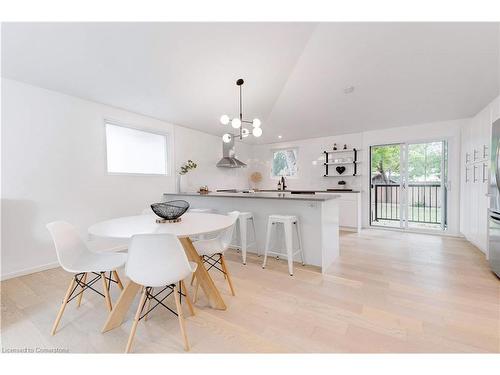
170, 211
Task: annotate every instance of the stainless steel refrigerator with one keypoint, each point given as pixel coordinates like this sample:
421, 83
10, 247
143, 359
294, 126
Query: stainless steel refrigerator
494, 194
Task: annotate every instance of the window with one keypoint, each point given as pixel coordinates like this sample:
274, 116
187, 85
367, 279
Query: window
284, 163
135, 151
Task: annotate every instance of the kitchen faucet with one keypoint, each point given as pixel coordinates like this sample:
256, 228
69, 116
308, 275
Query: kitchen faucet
283, 183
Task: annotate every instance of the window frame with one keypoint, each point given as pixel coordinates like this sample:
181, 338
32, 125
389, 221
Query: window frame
168, 149
273, 150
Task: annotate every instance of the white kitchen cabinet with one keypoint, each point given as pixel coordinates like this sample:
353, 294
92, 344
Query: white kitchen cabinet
475, 169
350, 211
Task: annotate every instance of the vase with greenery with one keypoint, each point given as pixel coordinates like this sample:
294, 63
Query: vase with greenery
184, 169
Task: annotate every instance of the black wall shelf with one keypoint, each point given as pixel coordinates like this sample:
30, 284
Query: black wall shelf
329, 163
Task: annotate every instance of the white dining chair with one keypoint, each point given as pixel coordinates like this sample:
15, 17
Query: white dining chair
159, 261
211, 252
75, 257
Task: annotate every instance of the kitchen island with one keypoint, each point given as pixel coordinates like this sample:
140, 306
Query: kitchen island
318, 215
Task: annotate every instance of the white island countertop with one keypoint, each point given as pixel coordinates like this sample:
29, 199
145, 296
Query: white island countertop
318, 219
262, 195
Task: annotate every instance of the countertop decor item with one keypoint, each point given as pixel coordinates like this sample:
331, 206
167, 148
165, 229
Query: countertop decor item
183, 170
237, 122
187, 166
170, 212
256, 178
203, 189
340, 169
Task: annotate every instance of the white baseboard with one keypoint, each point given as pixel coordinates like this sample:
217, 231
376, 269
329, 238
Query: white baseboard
27, 271
477, 244
349, 229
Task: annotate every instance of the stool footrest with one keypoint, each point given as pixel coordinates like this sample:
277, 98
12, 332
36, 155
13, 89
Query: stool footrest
234, 246
283, 255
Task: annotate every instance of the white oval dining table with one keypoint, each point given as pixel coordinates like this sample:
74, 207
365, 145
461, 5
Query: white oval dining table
191, 224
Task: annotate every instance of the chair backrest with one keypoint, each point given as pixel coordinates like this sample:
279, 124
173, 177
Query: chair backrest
156, 260
68, 243
227, 234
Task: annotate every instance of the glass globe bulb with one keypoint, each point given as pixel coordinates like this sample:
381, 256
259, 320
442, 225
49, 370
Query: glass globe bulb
245, 132
226, 138
224, 119
256, 123
257, 132
236, 123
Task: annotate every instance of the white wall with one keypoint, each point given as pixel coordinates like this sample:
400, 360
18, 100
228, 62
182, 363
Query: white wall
310, 162
53, 167
206, 151
311, 158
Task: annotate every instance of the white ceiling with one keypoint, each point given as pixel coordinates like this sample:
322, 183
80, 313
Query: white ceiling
295, 73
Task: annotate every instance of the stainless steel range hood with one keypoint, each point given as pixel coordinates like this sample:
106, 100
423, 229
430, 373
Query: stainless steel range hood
228, 156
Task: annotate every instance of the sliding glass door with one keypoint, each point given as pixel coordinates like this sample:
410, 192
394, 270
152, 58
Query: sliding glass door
407, 185
386, 182
426, 176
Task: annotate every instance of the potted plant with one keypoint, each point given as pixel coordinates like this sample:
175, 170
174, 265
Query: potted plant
184, 169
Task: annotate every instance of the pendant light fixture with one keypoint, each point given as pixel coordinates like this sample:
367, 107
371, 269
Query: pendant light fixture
237, 122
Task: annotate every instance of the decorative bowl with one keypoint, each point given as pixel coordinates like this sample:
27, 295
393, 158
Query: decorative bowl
170, 211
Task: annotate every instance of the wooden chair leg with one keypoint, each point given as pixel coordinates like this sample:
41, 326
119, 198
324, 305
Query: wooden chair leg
194, 273
84, 280
151, 291
118, 281
196, 288
181, 318
182, 287
136, 321
63, 306
106, 291
224, 268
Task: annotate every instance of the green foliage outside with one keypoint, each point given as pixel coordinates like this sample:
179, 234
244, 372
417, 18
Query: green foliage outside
424, 163
386, 163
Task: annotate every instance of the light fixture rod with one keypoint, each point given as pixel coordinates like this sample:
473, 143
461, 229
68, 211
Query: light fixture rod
241, 113
257, 132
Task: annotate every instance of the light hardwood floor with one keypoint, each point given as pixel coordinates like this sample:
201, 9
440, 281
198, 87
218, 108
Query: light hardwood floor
388, 292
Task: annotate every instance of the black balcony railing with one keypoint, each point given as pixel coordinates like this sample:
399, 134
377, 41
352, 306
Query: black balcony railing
424, 202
